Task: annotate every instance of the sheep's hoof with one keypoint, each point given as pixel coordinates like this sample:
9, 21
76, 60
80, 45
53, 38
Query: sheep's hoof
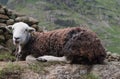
41, 59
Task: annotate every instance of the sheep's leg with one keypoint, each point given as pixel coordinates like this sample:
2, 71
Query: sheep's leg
51, 58
31, 59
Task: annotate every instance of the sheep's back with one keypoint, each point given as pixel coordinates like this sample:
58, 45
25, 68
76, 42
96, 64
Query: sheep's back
50, 43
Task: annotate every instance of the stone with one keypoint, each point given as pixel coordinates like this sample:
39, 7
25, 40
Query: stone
28, 20
1, 31
23, 19
9, 12
18, 14
2, 24
4, 17
2, 38
10, 22
35, 26
2, 11
33, 21
2, 21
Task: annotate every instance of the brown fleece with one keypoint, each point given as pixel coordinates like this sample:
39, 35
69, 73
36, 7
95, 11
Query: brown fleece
79, 45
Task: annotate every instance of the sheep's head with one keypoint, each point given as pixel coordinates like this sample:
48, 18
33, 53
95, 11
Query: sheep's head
21, 34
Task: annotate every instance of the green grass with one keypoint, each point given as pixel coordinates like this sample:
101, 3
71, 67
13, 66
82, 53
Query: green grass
11, 71
89, 76
6, 57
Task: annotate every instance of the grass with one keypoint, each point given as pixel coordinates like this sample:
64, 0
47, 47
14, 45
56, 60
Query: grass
11, 71
89, 76
7, 57
40, 67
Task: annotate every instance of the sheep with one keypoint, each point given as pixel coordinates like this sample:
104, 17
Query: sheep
73, 45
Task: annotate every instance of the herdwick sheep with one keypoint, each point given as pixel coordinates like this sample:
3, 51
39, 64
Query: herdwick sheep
76, 44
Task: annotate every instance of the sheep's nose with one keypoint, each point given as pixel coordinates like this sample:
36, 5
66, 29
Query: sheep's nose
16, 38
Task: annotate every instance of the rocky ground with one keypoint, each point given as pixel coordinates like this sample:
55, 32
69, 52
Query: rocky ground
50, 70
59, 70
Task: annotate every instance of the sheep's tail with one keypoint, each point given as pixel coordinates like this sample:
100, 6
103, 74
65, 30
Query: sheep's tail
85, 47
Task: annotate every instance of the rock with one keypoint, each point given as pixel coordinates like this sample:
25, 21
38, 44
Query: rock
4, 17
10, 22
24, 19
35, 26
9, 12
2, 38
108, 71
2, 21
2, 11
1, 31
68, 71
112, 57
28, 20
2, 24
32, 21
18, 14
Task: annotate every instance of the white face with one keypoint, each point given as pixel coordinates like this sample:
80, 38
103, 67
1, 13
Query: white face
21, 33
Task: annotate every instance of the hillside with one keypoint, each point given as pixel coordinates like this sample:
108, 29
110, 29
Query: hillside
102, 16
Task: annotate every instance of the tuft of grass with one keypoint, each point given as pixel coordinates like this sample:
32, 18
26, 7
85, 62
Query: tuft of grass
7, 57
11, 71
89, 76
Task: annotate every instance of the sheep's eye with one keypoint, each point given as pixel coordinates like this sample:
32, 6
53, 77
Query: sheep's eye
25, 29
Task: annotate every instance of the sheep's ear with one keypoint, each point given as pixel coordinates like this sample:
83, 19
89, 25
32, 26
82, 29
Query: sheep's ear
30, 29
